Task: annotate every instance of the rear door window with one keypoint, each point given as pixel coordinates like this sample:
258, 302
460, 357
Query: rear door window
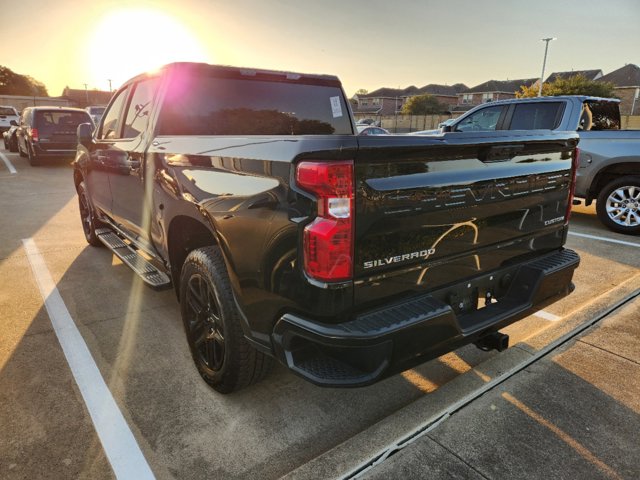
536, 116
208, 105
483, 120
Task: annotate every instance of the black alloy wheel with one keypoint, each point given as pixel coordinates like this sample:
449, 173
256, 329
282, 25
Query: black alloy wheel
223, 356
204, 323
87, 217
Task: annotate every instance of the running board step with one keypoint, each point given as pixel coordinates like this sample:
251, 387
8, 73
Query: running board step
145, 269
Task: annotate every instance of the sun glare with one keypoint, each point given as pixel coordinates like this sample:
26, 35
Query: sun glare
128, 42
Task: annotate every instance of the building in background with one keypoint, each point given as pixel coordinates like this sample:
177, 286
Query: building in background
83, 98
627, 88
588, 74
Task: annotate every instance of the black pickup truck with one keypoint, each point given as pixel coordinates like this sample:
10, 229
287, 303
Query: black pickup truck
285, 235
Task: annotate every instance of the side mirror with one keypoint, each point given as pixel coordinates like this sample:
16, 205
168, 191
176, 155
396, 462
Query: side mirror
14, 123
447, 128
85, 134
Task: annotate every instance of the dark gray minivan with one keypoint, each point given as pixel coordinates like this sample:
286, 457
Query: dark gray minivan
46, 132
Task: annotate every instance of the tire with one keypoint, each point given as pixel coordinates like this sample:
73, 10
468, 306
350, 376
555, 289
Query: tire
13, 145
224, 358
87, 216
618, 205
34, 160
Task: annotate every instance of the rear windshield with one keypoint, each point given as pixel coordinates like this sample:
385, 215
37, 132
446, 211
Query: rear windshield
7, 111
534, 116
56, 119
207, 105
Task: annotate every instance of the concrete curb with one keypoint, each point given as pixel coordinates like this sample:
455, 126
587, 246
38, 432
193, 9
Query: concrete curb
348, 457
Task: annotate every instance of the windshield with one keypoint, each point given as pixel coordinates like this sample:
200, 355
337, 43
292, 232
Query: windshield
7, 111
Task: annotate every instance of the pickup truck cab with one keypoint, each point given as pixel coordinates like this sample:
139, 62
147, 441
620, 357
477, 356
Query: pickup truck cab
286, 235
609, 169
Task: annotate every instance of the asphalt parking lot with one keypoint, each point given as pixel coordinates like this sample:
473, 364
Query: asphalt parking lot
283, 426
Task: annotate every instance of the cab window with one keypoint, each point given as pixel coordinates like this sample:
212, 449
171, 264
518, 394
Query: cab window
111, 119
481, 121
139, 108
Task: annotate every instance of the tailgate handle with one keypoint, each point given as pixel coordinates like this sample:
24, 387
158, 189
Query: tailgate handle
499, 153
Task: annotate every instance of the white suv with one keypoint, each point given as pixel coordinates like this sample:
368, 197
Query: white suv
6, 115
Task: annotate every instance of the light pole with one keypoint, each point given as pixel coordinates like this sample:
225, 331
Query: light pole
544, 62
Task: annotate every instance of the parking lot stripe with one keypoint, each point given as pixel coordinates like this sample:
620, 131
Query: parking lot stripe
8, 163
547, 316
117, 440
605, 239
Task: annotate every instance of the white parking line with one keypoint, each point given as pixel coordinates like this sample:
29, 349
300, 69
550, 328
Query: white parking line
547, 316
605, 239
9, 165
118, 442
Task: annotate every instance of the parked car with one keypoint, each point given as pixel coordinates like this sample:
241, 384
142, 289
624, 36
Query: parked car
96, 112
47, 132
7, 114
434, 131
368, 130
10, 139
609, 169
285, 235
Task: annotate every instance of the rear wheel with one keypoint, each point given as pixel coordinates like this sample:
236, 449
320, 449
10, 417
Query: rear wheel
13, 144
87, 216
34, 160
618, 205
224, 358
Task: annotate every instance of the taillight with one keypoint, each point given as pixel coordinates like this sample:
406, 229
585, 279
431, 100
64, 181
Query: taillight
572, 187
328, 240
33, 133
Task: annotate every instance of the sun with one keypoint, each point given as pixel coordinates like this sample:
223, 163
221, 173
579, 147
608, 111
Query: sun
130, 41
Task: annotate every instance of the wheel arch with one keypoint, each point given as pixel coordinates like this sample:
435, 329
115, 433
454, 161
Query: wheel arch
184, 235
624, 166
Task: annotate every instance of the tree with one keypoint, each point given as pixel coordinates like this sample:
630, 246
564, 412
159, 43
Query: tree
362, 91
12, 83
423, 105
575, 85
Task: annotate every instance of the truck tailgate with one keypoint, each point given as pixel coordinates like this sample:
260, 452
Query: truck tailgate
434, 210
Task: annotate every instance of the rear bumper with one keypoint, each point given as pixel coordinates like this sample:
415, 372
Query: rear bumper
54, 151
390, 339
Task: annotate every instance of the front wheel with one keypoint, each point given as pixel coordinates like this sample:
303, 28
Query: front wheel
87, 216
618, 205
20, 151
224, 358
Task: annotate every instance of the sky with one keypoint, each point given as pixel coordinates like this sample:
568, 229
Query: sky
367, 43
